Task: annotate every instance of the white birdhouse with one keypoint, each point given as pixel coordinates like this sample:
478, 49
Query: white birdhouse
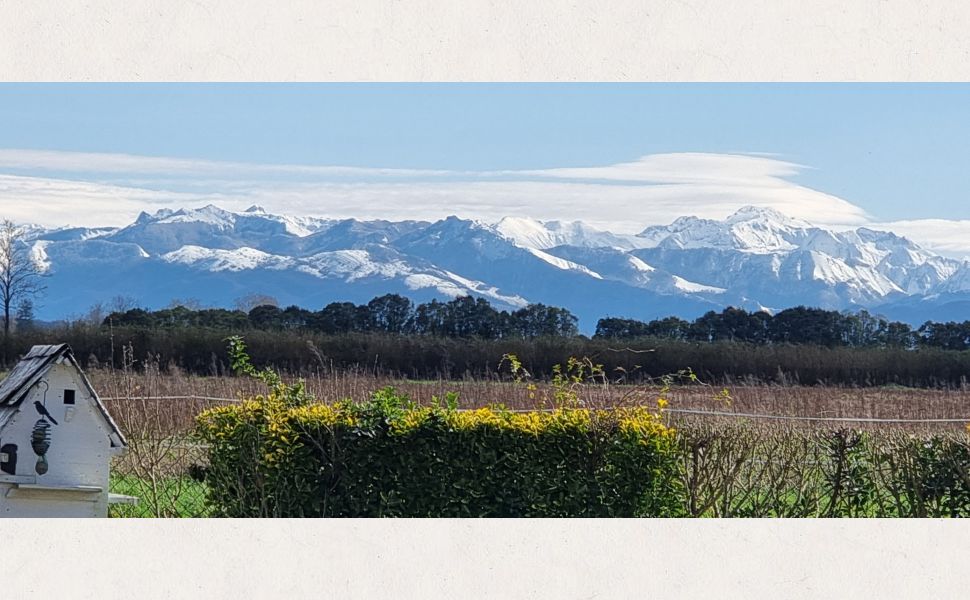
56, 439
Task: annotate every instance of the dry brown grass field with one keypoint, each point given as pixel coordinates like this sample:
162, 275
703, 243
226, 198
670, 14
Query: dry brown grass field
175, 398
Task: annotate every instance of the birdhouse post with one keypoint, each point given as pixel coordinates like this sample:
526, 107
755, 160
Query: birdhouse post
56, 439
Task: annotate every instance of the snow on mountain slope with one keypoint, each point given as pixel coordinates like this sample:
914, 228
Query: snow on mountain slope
454, 286
477, 251
755, 257
695, 288
298, 226
864, 265
68, 234
565, 265
750, 229
529, 233
213, 227
240, 259
78, 257
616, 265
38, 254
351, 233
834, 271
912, 268
254, 218
348, 266
958, 282
455, 243
378, 262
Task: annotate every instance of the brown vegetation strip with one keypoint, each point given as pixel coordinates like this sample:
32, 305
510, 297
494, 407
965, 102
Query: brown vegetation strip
194, 393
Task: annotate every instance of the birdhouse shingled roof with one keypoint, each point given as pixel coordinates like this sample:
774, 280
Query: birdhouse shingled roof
31, 369
28, 371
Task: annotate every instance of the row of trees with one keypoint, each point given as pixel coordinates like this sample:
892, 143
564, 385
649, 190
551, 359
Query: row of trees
203, 351
390, 314
799, 325
468, 317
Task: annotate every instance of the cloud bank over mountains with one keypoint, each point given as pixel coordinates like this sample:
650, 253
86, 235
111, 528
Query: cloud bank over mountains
58, 188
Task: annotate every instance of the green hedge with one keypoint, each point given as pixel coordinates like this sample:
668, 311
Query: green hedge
387, 458
276, 456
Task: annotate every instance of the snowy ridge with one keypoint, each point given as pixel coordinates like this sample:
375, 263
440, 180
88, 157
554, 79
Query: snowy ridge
565, 265
240, 259
529, 233
695, 288
216, 217
754, 258
754, 230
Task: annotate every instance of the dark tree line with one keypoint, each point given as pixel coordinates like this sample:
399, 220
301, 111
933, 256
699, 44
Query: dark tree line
799, 325
203, 351
463, 317
467, 317
467, 337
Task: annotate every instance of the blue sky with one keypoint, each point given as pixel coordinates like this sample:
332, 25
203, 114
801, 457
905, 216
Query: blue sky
843, 154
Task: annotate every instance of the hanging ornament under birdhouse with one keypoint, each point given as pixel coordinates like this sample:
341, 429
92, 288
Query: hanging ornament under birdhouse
40, 437
40, 441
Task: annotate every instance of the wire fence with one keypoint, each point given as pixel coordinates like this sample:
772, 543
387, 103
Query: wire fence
739, 415
142, 398
683, 411
167, 476
165, 469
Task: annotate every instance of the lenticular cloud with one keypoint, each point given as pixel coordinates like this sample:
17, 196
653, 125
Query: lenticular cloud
55, 188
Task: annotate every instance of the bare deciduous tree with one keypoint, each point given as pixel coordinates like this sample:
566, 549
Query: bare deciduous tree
121, 303
250, 301
189, 303
20, 274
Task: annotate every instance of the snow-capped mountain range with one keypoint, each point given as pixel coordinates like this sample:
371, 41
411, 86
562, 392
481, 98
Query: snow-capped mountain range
756, 258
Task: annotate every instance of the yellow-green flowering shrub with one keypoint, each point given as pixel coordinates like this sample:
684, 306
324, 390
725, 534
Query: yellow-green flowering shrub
387, 457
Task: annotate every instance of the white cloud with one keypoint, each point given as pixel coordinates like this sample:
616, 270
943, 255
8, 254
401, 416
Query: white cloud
625, 197
57, 202
620, 208
111, 189
688, 167
109, 163
949, 238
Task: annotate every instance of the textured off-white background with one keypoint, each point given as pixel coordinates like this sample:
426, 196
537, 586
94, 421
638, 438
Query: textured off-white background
424, 40
421, 40
470, 559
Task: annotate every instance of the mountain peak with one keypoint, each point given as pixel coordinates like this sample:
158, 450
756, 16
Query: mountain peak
211, 209
255, 208
541, 235
751, 229
162, 213
209, 214
764, 214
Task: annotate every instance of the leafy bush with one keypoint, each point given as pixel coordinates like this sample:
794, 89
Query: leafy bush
387, 457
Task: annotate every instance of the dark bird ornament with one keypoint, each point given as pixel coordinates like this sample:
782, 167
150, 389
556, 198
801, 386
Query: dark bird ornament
43, 412
40, 441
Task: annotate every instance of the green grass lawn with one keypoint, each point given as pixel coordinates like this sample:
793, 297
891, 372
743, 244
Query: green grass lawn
180, 497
